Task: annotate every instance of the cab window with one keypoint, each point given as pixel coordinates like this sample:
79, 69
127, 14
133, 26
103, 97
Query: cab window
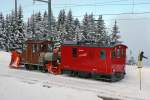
118, 53
102, 54
35, 48
74, 52
113, 54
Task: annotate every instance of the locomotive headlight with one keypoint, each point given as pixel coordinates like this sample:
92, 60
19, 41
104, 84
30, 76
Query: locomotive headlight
113, 70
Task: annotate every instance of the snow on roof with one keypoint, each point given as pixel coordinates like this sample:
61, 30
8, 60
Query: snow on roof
38, 41
91, 44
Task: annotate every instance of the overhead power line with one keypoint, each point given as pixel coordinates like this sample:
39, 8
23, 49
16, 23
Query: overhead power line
113, 14
99, 4
70, 4
49, 12
126, 19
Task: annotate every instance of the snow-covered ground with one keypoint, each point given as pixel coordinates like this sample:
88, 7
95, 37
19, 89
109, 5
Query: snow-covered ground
15, 85
27, 85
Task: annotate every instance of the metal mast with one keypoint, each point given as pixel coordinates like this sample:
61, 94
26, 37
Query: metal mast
16, 10
49, 12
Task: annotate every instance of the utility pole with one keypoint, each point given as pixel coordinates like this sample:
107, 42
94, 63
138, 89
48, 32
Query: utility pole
16, 10
49, 12
132, 6
33, 29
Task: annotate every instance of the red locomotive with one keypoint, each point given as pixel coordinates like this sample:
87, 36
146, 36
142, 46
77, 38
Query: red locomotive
79, 59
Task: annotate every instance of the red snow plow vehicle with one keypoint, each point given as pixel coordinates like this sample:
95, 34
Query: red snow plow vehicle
76, 59
37, 55
15, 59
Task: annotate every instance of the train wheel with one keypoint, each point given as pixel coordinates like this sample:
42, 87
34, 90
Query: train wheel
35, 67
26, 66
117, 76
41, 69
73, 73
44, 70
84, 75
113, 78
31, 67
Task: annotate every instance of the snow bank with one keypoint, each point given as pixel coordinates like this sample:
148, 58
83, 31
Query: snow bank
5, 58
20, 84
15, 85
13, 89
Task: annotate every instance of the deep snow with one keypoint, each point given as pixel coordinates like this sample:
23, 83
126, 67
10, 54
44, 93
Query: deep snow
19, 84
14, 85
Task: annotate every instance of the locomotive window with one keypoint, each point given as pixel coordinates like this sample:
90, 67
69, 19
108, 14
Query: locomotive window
102, 54
43, 48
34, 49
123, 52
50, 47
74, 52
118, 53
113, 54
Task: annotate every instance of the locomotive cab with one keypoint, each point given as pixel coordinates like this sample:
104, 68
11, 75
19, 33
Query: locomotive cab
100, 62
33, 54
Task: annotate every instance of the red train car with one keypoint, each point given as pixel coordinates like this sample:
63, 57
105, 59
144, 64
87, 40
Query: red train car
79, 59
96, 61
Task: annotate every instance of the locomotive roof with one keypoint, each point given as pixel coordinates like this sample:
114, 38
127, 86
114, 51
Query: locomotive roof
38, 42
92, 44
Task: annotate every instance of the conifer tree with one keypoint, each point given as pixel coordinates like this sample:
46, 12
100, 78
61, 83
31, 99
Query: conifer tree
2, 31
69, 27
7, 32
85, 27
101, 35
115, 32
91, 27
20, 28
61, 23
77, 30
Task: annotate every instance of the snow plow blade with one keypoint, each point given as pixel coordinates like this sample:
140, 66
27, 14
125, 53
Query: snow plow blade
54, 70
15, 60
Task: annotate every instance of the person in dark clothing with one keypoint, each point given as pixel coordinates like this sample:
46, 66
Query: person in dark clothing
140, 58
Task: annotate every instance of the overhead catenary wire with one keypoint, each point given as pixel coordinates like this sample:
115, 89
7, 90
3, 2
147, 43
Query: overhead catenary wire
98, 5
110, 3
113, 14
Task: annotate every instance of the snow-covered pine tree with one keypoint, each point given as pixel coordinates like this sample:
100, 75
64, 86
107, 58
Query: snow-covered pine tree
2, 32
39, 31
2, 21
13, 32
114, 35
85, 27
131, 60
20, 32
28, 29
61, 23
53, 34
77, 30
31, 27
69, 27
7, 32
45, 25
101, 34
91, 28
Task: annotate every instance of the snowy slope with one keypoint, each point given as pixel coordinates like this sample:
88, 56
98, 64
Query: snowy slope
4, 58
23, 85
44, 85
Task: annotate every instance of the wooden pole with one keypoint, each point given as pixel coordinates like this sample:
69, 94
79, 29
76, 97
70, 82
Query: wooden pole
140, 68
140, 78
